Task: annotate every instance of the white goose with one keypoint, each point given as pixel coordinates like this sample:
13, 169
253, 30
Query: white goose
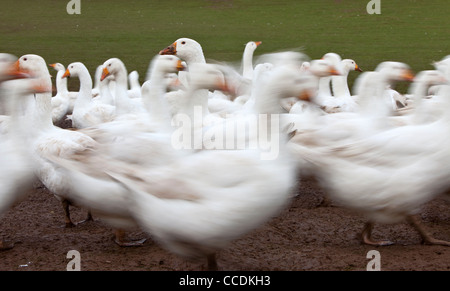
421, 109
87, 112
387, 174
88, 186
189, 51
315, 129
16, 166
45, 139
135, 88
126, 107
247, 59
324, 96
215, 204
63, 102
339, 85
8, 71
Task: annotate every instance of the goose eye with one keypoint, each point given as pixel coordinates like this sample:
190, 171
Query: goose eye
24, 59
109, 65
183, 42
71, 67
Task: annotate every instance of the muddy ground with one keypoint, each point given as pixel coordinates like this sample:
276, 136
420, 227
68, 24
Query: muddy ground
306, 236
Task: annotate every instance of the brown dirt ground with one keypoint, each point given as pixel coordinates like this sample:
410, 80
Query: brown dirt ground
305, 236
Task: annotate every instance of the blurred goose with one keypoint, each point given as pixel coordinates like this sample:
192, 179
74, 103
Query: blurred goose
16, 166
221, 202
387, 176
315, 129
63, 102
421, 109
146, 143
87, 112
45, 139
135, 87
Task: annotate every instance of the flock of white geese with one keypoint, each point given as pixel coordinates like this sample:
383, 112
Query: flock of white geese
375, 150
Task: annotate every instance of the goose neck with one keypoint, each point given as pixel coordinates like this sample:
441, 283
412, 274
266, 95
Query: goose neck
61, 84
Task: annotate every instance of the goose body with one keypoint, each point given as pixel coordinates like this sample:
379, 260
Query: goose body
46, 140
16, 163
89, 186
86, 111
215, 205
123, 103
384, 171
64, 100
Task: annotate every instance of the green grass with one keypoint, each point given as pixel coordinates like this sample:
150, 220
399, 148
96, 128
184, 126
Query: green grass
411, 31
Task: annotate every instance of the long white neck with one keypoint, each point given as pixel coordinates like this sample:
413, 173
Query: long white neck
42, 114
372, 96
85, 92
105, 93
324, 86
122, 101
195, 99
340, 86
134, 81
61, 84
247, 64
153, 99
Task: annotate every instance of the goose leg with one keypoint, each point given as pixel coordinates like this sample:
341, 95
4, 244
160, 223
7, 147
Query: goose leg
121, 241
367, 236
426, 236
4, 245
212, 262
88, 218
66, 205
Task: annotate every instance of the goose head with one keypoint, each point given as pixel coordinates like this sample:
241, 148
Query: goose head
207, 76
335, 62
115, 67
305, 66
167, 64
186, 49
252, 45
442, 64
9, 68
350, 65
58, 67
395, 71
75, 70
322, 68
431, 77
287, 82
36, 67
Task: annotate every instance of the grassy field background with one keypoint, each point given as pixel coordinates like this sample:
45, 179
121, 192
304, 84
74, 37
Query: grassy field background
412, 31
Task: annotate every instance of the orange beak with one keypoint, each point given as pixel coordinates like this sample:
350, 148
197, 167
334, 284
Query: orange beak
170, 50
408, 76
39, 88
258, 43
180, 66
105, 73
306, 95
333, 71
66, 74
52, 65
15, 72
357, 68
